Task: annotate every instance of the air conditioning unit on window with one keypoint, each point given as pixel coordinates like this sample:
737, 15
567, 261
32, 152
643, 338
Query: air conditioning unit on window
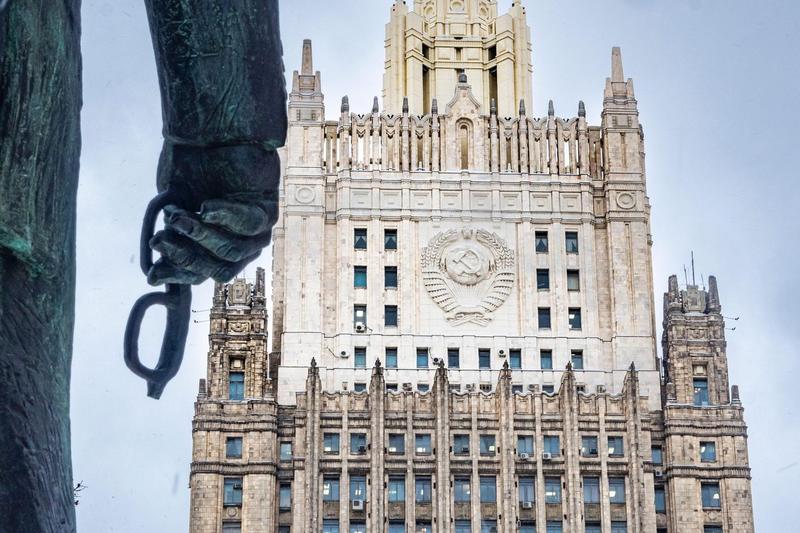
531, 387
470, 387
361, 327
358, 505
464, 449
527, 505
524, 456
492, 448
436, 361
658, 472
547, 456
362, 449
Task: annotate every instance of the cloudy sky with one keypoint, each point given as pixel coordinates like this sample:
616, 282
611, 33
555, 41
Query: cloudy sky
717, 83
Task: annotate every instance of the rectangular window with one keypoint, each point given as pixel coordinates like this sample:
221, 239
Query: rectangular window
390, 277
619, 527
548, 389
358, 527
591, 490
360, 277
712, 529
330, 489
572, 242
397, 527
544, 318
542, 244
233, 447
487, 445
397, 489
484, 358
231, 527
461, 489
358, 488
577, 359
390, 316
232, 494
360, 357
423, 526
546, 359
552, 445
527, 527
589, 446
593, 527
542, 279
461, 444
422, 358
700, 391
575, 318
710, 494
285, 497
360, 238
330, 526
391, 357
527, 489
391, 386
359, 386
516, 389
360, 318
515, 358
708, 452
661, 500
423, 387
616, 446
488, 526
358, 443
573, 280
236, 386
397, 444
390, 239
463, 526
330, 443
286, 451
488, 489
422, 443
453, 358
422, 489
554, 526
616, 489
552, 490
657, 455
525, 444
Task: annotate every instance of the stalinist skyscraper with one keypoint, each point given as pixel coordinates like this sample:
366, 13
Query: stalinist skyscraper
463, 330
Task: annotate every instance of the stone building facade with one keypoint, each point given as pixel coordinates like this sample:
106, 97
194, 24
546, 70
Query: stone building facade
463, 331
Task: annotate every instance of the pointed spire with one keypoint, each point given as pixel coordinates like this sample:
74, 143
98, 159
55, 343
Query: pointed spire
435, 107
713, 295
405, 104
307, 68
345, 104
551, 110
569, 366
493, 107
313, 362
375, 107
522, 107
617, 74
581, 109
632, 368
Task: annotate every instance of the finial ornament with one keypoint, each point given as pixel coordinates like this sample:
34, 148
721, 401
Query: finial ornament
375, 107
405, 104
307, 66
581, 109
522, 107
551, 110
345, 104
435, 107
617, 74
493, 107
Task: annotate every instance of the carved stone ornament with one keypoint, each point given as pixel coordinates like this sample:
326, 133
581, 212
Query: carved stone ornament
469, 273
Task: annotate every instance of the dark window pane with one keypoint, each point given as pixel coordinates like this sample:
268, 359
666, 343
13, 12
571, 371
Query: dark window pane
390, 277
542, 279
461, 444
330, 489
616, 446
360, 277
286, 451
390, 239
484, 358
591, 490
552, 490
544, 318
232, 494
573, 280
577, 359
360, 238
360, 357
525, 444
552, 445
236, 386
527, 489
397, 489
233, 447
487, 445
453, 358
546, 359
360, 318
422, 444
616, 490
711, 496
661, 500
575, 318
391, 357
390, 316
515, 358
572, 242
359, 387
422, 358
488, 489
657, 454
701, 391
708, 452
330, 443
461, 490
358, 443
397, 444
541, 242
589, 446
422, 489
285, 496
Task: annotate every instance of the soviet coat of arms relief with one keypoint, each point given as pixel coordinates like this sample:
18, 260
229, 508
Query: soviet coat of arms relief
469, 273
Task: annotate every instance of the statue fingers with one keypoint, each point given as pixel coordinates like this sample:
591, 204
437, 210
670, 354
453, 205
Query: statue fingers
240, 217
165, 272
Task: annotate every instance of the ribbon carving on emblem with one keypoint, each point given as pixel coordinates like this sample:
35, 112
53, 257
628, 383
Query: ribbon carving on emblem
469, 273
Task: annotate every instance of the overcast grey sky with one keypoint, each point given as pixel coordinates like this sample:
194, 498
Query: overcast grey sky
717, 83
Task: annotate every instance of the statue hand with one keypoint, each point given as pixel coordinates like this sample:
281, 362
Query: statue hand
227, 203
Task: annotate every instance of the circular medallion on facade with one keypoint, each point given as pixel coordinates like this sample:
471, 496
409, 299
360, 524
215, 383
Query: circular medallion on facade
304, 195
626, 200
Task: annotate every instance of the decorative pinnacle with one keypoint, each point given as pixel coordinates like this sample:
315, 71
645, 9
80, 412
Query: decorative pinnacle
522, 107
375, 107
307, 68
581, 109
617, 75
551, 110
493, 107
569, 366
405, 104
345, 104
313, 362
435, 107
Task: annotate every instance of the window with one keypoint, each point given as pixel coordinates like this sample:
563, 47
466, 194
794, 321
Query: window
463, 526
544, 318
391, 386
573, 280
710, 495
577, 359
330, 443
423, 387
397, 489
516, 389
541, 242
661, 500
453, 358
484, 358
330, 489
657, 455
360, 357
542, 279
616, 490
286, 451
461, 489
454, 387
390, 277
422, 489
552, 445
527, 527
593, 527
390, 316
397, 527
232, 491
330, 526
391, 357
552, 490
712, 529
231, 527
360, 317
359, 386
285, 497
574, 318
397, 444
700, 391
358, 527
554, 526
591, 490
358, 443
360, 277
548, 389
236, 386
360, 238
488, 489
616, 446
488, 526
423, 526
487, 445
572, 242
233, 447
390, 239
527, 489
515, 358
546, 359
422, 358
588, 446
619, 527
461, 444
486, 387
708, 452
422, 444
525, 444
358, 488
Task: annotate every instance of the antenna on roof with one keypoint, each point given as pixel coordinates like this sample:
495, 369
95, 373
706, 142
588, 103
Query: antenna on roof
703, 281
693, 280
685, 275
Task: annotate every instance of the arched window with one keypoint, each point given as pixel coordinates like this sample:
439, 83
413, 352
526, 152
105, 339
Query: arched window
463, 145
